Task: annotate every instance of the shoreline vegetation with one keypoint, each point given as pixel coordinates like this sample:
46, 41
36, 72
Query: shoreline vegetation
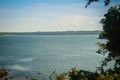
3, 34
73, 74
51, 33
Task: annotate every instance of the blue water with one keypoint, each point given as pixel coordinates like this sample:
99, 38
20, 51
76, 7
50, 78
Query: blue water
29, 54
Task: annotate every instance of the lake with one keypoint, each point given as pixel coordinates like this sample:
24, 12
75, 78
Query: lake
26, 55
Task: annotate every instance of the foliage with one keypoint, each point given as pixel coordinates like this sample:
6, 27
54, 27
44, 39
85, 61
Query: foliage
90, 1
111, 30
3, 72
102, 48
102, 35
76, 74
62, 76
111, 26
113, 76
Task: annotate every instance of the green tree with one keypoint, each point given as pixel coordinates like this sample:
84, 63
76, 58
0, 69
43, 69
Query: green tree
111, 29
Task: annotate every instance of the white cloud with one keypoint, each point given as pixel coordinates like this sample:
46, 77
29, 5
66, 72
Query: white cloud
45, 17
77, 21
20, 24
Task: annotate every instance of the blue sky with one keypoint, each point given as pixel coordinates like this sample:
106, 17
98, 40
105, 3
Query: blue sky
50, 15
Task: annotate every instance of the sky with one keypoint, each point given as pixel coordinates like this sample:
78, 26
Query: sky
51, 15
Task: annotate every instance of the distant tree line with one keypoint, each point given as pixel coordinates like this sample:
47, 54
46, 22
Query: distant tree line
54, 33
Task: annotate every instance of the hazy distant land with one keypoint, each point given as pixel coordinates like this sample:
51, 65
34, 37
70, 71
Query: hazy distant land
52, 33
4, 34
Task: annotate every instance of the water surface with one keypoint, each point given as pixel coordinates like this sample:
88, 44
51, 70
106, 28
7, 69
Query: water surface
29, 54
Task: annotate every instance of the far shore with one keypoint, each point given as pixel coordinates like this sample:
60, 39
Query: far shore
3, 34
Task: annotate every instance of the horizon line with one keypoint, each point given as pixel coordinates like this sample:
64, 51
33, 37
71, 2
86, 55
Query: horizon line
45, 31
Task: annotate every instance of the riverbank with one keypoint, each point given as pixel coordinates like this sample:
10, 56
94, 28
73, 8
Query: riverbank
2, 34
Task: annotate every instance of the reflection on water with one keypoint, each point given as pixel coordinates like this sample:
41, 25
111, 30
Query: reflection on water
18, 67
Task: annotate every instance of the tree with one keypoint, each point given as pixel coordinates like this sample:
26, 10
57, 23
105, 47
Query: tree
111, 29
90, 1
